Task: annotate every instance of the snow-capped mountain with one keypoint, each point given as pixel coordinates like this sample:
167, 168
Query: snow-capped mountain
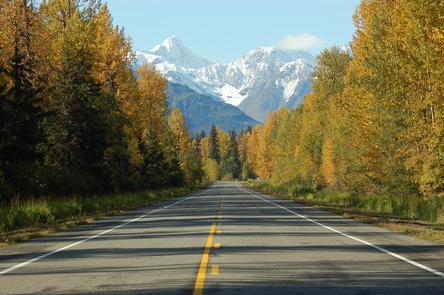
172, 53
262, 81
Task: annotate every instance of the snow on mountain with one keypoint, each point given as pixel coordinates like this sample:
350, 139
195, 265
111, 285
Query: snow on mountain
263, 80
172, 51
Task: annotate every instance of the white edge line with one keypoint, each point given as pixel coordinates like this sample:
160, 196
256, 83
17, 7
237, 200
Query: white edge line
405, 259
20, 265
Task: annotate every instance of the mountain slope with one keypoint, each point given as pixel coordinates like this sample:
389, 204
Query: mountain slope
202, 111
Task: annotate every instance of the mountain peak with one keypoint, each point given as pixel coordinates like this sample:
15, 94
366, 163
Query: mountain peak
274, 53
170, 43
262, 81
174, 52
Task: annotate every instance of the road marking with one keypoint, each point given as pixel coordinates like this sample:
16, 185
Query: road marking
20, 265
200, 279
216, 245
219, 232
405, 259
215, 269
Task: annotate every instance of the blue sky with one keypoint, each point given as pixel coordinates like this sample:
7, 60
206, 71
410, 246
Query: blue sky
224, 30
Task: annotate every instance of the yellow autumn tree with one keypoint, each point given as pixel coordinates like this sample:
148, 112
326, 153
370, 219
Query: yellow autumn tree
417, 30
327, 168
150, 109
210, 166
265, 142
285, 140
320, 116
187, 150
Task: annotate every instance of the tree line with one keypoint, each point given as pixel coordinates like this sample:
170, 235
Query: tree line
220, 155
374, 120
76, 118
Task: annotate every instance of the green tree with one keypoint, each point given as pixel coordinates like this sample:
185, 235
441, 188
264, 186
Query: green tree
75, 128
233, 160
20, 97
214, 152
154, 164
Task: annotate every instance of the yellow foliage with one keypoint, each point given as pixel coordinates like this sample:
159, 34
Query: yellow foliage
150, 109
212, 170
328, 166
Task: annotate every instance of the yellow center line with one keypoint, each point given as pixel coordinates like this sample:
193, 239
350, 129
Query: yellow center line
215, 269
218, 232
200, 280
216, 245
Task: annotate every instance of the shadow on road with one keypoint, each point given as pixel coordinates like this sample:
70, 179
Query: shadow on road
289, 255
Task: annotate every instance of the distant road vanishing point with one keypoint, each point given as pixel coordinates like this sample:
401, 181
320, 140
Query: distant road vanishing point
224, 240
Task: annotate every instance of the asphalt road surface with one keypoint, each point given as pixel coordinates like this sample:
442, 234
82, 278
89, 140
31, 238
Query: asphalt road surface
224, 240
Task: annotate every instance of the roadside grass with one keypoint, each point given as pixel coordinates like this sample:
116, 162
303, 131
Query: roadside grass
420, 217
25, 219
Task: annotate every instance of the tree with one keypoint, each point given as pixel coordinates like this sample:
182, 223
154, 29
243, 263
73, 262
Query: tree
20, 100
76, 125
214, 145
319, 115
242, 146
112, 71
74, 116
229, 155
187, 150
284, 160
265, 142
150, 110
151, 121
154, 164
234, 161
418, 32
252, 150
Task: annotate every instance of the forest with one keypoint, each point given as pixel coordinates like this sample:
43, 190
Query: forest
373, 123
77, 118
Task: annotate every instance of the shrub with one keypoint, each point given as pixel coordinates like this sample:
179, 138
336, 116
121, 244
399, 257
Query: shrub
406, 206
43, 212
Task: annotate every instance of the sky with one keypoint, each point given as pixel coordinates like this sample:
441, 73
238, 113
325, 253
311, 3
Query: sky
224, 30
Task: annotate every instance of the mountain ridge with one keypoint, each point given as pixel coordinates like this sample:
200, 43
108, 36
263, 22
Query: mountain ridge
263, 80
202, 111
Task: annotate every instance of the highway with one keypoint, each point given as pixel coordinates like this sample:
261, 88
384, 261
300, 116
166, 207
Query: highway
224, 240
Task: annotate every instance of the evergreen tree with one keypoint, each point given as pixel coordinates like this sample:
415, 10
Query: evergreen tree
201, 135
154, 164
75, 128
20, 98
234, 161
74, 117
214, 152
